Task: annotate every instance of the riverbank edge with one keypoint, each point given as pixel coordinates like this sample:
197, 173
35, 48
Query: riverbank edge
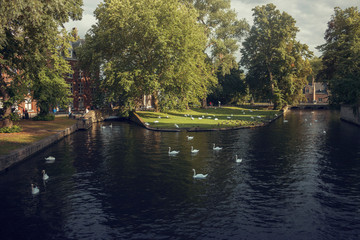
134, 117
18, 155
83, 123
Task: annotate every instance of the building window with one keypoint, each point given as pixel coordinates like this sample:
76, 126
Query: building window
28, 105
69, 75
80, 74
320, 99
81, 88
81, 103
72, 88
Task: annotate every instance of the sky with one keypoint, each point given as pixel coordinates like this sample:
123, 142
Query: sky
311, 16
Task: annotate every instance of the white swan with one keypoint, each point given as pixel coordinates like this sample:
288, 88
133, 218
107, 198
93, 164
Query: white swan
173, 152
238, 160
110, 125
216, 148
34, 189
285, 121
199, 176
177, 126
147, 124
194, 150
190, 137
45, 176
156, 121
50, 159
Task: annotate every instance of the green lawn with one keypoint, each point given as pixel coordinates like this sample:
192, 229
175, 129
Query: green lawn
227, 117
32, 131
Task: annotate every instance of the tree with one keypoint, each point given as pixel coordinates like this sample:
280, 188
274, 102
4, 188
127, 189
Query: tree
277, 63
232, 87
149, 48
341, 57
29, 29
224, 32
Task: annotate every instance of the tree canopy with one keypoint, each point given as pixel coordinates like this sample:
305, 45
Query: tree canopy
341, 56
28, 33
149, 48
276, 62
223, 30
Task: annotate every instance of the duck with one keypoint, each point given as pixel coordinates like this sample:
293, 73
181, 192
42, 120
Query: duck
45, 176
190, 137
194, 150
216, 148
50, 159
238, 160
199, 176
173, 152
34, 189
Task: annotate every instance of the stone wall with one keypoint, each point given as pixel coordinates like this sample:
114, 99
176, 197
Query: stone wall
347, 114
20, 154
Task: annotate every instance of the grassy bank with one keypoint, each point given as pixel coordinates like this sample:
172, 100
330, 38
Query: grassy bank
210, 118
32, 131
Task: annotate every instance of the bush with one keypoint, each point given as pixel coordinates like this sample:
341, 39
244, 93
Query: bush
48, 117
13, 129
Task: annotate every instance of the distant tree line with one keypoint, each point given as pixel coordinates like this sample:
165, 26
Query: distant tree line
181, 52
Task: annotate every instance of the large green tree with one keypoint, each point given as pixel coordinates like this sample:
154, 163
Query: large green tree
276, 62
341, 56
149, 48
224, 33
28, 31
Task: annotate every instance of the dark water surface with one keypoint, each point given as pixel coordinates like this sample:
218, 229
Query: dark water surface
295, 182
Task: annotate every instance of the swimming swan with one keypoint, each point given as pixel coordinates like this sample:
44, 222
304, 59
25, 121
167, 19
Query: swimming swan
50, 159
173, 152
45, 176
238, 160
199, 176
194, 150
216, 148
34, 189
190, 137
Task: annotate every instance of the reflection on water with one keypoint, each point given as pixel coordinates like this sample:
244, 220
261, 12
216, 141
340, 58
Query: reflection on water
298, 179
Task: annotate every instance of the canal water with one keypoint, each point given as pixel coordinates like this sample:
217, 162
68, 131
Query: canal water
298, 179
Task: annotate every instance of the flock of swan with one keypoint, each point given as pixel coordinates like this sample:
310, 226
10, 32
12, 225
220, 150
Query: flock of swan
195, 151
35, 189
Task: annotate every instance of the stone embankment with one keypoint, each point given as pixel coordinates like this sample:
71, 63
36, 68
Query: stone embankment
348, 114
84, 122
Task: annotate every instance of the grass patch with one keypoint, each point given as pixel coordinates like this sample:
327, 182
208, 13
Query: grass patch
33, 131
227, 117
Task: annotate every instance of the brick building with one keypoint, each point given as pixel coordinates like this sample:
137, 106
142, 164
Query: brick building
316, 92
79, 81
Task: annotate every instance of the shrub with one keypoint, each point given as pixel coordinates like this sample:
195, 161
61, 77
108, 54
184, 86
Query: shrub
48, 117
13, 129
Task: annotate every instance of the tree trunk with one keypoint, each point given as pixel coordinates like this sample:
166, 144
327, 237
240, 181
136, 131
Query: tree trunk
7, 121
7, 109
204, 103
156, 102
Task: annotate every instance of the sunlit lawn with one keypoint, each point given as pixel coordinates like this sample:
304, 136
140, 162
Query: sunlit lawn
227, 117
32, 131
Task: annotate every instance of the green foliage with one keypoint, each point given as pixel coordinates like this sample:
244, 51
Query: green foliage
147, 48
341, 57
223, 30
277, 63
13, 129
14, 117
29, 36
44, 117
232, 88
